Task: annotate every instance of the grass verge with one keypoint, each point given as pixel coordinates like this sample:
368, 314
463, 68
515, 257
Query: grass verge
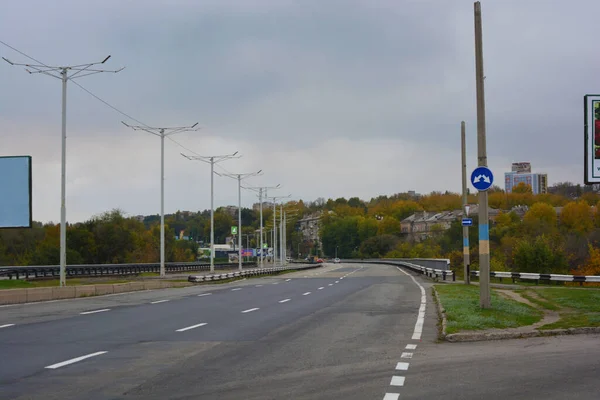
23, 284
577, 307
461, 304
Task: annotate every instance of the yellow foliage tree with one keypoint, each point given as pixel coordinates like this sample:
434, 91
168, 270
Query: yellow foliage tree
577, 216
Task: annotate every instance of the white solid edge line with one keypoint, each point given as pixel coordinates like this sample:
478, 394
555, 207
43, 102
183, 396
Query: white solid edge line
204, 294
391, 396
284, 300
250, 310
411, 346
94, 311
418, 331
406, 355
74, 360
6, 325
190, 327
306, 294
402, 366
158, 301
397, 381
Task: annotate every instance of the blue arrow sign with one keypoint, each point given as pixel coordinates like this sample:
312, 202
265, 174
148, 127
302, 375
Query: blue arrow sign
467, 221
482, 178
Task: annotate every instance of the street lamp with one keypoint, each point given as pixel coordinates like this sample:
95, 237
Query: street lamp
62, 73
162, 133
260, 199
239, 178
212, 160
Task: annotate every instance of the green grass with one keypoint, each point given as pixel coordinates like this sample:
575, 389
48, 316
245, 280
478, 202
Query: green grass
23, 284
542, 303
464, 314
587, 300
144, 274
574, 320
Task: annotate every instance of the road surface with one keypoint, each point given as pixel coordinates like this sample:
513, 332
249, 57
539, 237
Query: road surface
337, 332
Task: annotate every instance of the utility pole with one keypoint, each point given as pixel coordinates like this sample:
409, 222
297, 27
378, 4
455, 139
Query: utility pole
212, 160
162, 133
239, 178
62, 73
484, 235
466, 254
260, 199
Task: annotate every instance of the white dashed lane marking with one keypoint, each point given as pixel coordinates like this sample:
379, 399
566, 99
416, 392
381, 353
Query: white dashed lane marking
7, 325
250, 310
397, 381
74, 360
258, 285
321, 288
391, 396
191, 327
284, 300
158, 301
204, 294
287, 280
94, 311
411, 346
233, 290
406, 355
402, 366
306, 294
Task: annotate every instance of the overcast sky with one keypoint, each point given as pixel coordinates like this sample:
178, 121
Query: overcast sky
328, 98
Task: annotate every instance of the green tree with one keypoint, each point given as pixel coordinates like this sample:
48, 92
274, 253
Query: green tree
378, 246
539, 255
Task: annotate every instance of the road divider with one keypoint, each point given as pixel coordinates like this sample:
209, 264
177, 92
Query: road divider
250, 273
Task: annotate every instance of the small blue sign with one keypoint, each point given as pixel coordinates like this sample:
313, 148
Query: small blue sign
482, 178
467, 221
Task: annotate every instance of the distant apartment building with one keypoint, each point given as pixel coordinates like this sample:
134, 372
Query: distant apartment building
521, 173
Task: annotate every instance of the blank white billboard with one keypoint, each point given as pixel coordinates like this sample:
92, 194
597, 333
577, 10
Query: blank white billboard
15, 192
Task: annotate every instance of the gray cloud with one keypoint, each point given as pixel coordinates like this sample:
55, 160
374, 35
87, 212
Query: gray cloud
330, 98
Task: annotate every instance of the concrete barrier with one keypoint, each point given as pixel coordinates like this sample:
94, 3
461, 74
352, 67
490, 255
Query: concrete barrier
121, 287
40, 294
151, 285
104, 289
66, 292
83, 291
13, 296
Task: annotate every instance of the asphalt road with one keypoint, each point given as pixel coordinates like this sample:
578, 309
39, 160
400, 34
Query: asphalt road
337, 332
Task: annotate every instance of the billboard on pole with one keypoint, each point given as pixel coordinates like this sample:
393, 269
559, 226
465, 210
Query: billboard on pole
592, 138
15, 192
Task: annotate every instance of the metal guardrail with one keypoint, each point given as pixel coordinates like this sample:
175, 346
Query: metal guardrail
249, 272
84, 270
429, 272
540, 277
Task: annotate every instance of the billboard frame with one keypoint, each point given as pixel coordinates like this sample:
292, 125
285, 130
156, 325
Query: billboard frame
29, 176
589, 100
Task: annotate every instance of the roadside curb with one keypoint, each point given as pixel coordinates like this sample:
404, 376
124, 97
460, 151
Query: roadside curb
441, 315
485, 336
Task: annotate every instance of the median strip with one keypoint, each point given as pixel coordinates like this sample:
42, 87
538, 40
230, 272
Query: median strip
74, 360
191, 327
94, 311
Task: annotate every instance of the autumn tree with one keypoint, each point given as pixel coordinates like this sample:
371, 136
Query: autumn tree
577, 217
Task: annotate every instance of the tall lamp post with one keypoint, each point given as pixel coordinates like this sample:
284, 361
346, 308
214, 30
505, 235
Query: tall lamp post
212, 160
162, 133
239, 178
65, 74
262, 190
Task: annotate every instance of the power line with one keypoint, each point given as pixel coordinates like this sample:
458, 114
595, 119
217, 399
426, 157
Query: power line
23, 54
109, 105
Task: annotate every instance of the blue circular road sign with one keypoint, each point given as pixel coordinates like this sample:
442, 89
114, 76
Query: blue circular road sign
482, 178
